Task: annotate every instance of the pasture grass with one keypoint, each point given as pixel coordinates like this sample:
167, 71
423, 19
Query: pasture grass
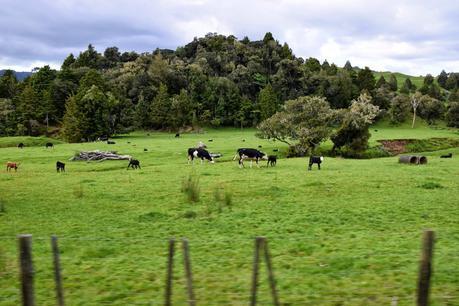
348, 234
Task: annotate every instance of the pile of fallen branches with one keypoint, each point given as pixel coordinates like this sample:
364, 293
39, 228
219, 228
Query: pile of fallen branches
99, 156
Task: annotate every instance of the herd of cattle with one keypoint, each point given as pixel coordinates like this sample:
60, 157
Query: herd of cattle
201, 153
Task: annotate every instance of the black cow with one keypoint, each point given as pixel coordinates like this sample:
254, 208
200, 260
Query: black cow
449, 155
49, 145
110, 142
20, 145
272, 160
177, 135
134, 164
199, 153
315, 160
60, 167
252, 154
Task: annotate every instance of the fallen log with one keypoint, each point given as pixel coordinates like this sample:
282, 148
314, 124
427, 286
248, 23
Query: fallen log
99, 156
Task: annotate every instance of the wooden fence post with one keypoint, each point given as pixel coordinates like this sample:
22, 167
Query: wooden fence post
425, 268
189, 276
57, 271
272, 281
170, 264
27, 272
256, 262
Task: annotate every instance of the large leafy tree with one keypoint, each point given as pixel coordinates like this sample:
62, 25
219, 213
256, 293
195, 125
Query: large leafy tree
305, 121
353, 131
267, 102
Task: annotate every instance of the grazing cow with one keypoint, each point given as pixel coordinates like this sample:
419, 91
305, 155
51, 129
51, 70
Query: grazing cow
272, 160
275, 150
210, 140
260, 146
243, 140
449, 155
145, 149
60, 166
110, 142
252, 154
315, 160
134, 164
199, 153
177, 135
20, 145
12, 165
49, 145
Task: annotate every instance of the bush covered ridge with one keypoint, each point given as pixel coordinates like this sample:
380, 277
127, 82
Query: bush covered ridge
214, 81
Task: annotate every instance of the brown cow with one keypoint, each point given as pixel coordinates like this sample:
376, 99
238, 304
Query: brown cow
11, 165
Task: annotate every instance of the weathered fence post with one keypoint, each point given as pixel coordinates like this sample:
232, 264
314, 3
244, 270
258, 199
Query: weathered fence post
425, 268
272, 281
170, 264
57, 271
27, 272
189, 276
256, 262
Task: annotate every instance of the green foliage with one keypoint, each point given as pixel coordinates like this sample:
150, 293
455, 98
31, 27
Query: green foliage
442, 78
399, 109
353, 131
452, 115
431, 109
306, 120
392, 82
366, 79
267, 102
160, 115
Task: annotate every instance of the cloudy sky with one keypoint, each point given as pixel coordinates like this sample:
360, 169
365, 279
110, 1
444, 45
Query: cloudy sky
414, 37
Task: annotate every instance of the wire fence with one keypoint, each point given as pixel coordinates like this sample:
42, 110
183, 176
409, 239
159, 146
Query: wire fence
222, 272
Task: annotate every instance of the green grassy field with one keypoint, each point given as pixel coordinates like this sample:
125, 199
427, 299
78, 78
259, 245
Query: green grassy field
346, 235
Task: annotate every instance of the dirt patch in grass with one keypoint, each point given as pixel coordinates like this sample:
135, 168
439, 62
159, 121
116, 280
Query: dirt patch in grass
398, 146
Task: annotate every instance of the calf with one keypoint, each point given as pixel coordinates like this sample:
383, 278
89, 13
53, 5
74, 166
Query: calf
49, 145
272, 160
134, 164
20, 145
449, 155
60, 166
251, 154
199, 153
110, 142
12, 165
315, 160
177, 135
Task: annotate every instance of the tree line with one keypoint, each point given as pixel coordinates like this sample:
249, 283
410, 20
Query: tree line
213, 81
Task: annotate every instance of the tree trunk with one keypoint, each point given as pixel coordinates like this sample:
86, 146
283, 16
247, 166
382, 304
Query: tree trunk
414, 118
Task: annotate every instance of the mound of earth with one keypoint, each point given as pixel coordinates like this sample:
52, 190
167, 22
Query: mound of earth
395, 146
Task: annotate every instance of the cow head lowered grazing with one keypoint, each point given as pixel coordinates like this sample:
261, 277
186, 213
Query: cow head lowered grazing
251, 154
199, 153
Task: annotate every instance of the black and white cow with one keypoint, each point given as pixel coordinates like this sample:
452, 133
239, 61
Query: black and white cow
60, 166
251, 154
315, 160
199, 153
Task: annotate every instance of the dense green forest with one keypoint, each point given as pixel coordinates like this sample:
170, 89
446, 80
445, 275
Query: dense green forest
213, 81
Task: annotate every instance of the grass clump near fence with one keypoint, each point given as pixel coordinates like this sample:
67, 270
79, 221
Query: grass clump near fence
191, 189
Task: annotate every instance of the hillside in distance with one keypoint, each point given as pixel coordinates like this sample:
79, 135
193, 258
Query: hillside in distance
20, 75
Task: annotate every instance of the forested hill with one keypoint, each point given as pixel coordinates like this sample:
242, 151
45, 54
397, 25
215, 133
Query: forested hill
215, 80
20, 75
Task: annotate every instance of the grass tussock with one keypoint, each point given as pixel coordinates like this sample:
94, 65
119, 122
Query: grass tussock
78, 191
223, 198
191, 189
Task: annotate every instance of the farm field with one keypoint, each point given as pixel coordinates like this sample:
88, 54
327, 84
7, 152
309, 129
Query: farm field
349, 234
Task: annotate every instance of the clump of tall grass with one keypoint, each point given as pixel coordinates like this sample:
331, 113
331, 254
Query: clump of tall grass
78, 191
191, 189
223, 198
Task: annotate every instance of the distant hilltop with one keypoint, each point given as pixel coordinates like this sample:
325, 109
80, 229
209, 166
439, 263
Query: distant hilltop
20, 75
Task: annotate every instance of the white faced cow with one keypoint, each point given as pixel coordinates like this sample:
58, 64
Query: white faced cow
251, 154
199, 153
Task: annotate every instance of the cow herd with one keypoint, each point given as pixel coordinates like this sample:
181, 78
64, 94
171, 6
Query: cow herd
200, 153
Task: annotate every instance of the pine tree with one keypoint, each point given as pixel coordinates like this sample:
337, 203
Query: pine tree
348, 66
393, 82
366, 79
381, 81
267, 101
160, 108
442, 78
